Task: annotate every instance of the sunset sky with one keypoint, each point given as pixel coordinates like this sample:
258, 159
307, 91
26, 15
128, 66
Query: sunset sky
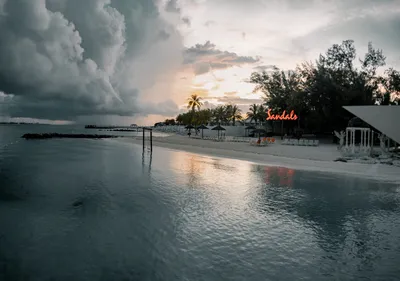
260, 34
137, 61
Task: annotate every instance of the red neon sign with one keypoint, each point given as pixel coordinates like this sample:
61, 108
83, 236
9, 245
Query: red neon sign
283, 116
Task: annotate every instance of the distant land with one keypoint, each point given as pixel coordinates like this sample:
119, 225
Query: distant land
20, 123
74, 136
110, 127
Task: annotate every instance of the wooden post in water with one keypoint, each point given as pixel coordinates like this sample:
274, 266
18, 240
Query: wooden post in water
151, 140
143, 136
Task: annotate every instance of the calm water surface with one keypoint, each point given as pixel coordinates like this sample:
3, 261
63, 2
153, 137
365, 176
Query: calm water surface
103, 210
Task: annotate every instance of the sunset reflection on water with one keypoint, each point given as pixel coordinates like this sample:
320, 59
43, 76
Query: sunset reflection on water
219, 171
279, 175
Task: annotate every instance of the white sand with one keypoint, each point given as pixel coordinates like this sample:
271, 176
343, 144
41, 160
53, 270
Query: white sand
320, 158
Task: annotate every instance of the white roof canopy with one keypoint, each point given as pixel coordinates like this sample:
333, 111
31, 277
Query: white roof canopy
384, 118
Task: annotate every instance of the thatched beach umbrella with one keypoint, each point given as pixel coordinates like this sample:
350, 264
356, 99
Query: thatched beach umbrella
259, 132
202, 127
251, 127
218, 128
189, 128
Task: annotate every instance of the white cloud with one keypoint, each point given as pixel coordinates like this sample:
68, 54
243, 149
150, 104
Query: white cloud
286, 32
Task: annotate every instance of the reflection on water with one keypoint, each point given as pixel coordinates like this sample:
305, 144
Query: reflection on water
172, 215
281, 175
325, 220
147, 157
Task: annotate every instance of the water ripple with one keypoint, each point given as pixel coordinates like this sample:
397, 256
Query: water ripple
90, 210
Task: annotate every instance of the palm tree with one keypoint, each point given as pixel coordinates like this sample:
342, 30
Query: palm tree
220, 114
194, 102
234, 113
262, 113
253, 113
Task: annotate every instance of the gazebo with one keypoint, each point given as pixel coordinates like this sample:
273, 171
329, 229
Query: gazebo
366, 140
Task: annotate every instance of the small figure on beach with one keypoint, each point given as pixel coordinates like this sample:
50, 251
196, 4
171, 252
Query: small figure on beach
341, 137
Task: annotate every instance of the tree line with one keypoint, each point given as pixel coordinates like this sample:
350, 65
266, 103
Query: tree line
222, 114
316, 91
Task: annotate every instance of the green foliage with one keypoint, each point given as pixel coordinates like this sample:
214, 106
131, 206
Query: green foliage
222, 114
257, 113
169, 122
318, 91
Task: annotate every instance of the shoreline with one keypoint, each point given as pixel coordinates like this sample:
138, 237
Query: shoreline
317, 159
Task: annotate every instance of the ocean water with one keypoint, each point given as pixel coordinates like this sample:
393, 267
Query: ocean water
106, 210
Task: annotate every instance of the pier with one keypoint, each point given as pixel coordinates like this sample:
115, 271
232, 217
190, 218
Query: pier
115, 128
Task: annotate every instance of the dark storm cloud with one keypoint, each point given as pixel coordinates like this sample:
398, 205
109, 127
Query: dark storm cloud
205, 57
60, 59
173, 7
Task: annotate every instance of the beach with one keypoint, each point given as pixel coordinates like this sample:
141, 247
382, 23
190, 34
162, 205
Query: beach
316, 158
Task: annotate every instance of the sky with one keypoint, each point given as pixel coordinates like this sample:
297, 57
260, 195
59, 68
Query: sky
137, 61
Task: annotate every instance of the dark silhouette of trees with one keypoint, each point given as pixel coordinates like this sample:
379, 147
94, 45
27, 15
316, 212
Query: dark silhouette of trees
318, 91
222, 114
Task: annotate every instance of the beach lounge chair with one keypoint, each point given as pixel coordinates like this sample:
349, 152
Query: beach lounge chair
316, 142
285, 142
295, 142
301, 142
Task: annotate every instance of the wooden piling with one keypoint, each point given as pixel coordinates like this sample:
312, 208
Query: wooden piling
151, 140
143, 138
